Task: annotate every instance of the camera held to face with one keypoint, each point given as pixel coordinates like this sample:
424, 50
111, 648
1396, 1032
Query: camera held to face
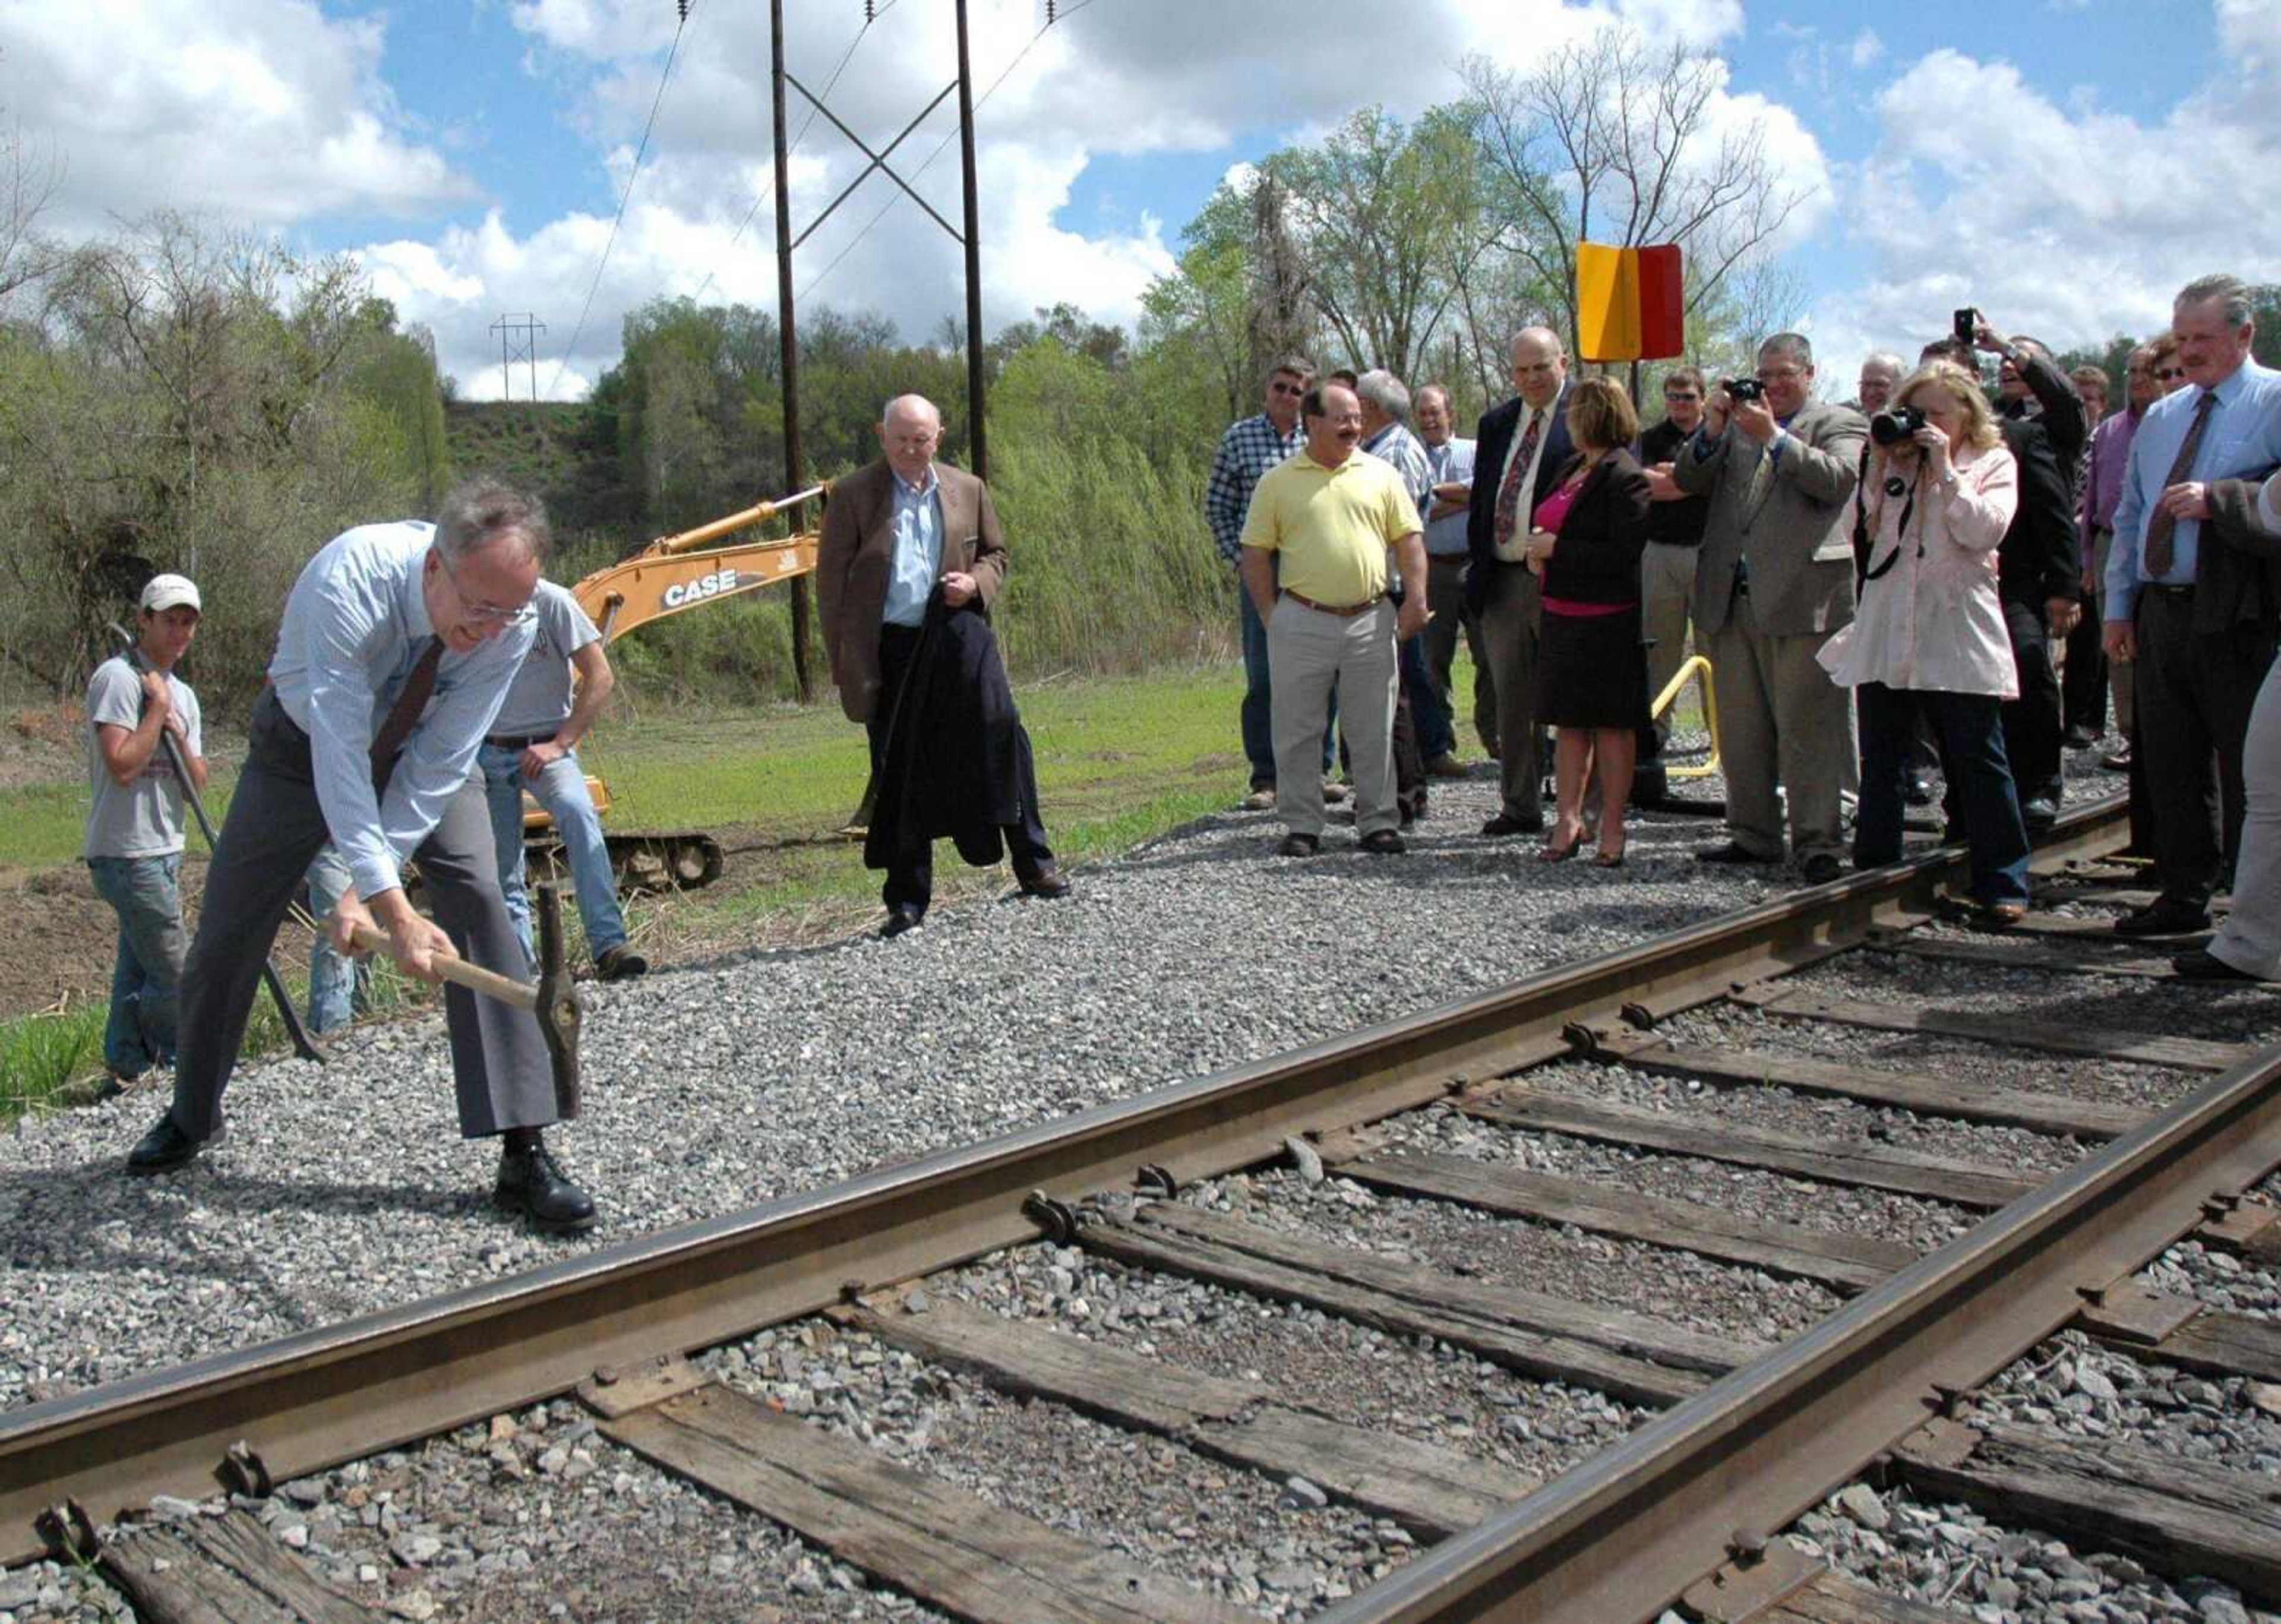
1897, 426
1744, 390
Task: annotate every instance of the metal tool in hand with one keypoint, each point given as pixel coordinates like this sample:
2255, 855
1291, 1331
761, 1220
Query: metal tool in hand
304, 1045
552, 999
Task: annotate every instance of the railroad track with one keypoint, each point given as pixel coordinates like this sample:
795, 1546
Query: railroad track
1721, 1437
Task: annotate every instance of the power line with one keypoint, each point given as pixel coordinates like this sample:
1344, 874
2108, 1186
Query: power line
793, 145
930, 159
641, 151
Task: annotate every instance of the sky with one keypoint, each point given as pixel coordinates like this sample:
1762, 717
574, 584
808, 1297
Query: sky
2064, 165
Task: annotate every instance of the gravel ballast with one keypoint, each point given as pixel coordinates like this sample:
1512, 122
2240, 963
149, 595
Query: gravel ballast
346, 1187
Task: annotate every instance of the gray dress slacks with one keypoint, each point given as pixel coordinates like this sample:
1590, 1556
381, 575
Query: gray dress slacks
2249, 938
1511, 619
275, 827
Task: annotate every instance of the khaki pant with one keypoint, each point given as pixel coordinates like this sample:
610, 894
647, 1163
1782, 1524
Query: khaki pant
1511, 623
1309, 650
1667, 588
1782, 721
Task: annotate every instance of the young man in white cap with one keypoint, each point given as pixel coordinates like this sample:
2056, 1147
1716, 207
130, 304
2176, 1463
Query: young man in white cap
134, 845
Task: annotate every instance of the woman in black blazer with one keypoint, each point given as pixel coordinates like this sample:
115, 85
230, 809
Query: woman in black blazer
1592, 670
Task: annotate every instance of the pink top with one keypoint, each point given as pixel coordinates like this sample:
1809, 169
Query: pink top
1550, 513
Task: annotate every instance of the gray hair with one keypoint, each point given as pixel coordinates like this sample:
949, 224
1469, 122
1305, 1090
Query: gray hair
888, 410
1298, 366
2230, 291
1885, 358
1424, 390
483, 512
1385, 392
1789, 347
1538, 330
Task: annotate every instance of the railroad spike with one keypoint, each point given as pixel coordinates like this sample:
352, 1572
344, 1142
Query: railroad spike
1155, 1179
70, 1531
1058, 1218
1639, 1016
243, 1473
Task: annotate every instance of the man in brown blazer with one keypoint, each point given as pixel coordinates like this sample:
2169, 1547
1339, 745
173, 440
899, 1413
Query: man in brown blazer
895, 531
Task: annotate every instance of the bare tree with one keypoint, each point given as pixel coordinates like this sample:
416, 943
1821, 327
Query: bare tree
1611, 140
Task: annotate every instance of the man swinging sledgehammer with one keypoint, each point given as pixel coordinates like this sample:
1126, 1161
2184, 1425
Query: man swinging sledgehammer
395, 649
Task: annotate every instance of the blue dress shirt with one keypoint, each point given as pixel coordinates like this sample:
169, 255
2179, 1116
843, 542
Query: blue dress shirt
918, 549
354, 626
2243, 438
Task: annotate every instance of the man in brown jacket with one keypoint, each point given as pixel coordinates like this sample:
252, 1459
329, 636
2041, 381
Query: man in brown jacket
895, 532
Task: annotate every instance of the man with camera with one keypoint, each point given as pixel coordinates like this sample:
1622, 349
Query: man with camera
1774, 579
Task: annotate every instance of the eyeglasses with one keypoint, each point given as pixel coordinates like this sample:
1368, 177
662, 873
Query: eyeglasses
1281, 388
476, 608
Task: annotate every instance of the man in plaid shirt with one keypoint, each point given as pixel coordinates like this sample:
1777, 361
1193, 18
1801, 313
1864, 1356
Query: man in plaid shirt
1248, 450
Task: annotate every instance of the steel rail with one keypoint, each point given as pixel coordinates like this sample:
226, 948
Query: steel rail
1618, 1539
309, 1402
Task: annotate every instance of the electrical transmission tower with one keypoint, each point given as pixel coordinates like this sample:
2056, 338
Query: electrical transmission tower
518, 337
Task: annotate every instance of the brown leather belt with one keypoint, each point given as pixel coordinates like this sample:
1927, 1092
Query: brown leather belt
1364, 608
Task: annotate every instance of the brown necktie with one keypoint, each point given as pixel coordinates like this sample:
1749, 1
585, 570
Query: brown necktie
2161, 524
396, 727
1507, 516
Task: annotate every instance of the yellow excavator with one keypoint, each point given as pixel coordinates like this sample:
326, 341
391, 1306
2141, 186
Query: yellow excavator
672, 574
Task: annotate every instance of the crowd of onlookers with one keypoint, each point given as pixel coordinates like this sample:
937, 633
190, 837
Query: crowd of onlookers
1936, 578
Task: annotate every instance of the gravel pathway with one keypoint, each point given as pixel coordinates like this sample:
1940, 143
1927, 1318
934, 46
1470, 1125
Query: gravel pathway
346, 1188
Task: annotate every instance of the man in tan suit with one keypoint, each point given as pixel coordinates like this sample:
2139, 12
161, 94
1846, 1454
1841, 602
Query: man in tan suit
895, 532
1775, 579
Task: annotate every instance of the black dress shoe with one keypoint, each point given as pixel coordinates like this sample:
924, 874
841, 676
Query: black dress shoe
620, 963
1299, 846
2039, 813
2200, 964
164, 1149
1383, 843
903, 917
1731, 851
1819, 868
2160, 918
532, 1183
2078, 738
1044, 882
1918, 791
1505, 824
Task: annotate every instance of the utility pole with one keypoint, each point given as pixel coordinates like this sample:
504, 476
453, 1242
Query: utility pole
963, 85
977, 448
794, 478
518, 342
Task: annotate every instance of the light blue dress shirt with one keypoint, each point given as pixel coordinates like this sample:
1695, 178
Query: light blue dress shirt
2243, 438
1452, 460
918, 549
354, 626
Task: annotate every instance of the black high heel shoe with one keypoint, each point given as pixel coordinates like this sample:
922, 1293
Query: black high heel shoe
1552, 851
1605, 858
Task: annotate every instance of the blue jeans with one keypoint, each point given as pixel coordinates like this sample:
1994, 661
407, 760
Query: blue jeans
1430, 712
1971, 733
561, 789
336, 983
146, 975
1258, 713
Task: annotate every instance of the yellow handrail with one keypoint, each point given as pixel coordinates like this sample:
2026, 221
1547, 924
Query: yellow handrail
1699, 668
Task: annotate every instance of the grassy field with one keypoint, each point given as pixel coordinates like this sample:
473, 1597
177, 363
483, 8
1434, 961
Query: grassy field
1119, 762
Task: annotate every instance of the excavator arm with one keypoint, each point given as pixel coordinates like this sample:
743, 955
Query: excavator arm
676, 573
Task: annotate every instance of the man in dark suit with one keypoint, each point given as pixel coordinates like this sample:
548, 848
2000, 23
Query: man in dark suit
1774, 580
1519, 451
896, 532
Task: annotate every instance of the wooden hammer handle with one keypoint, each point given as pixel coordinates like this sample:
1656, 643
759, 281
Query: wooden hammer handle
475, 978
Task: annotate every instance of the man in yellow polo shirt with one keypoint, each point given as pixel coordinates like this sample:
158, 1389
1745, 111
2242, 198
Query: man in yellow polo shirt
1332, 512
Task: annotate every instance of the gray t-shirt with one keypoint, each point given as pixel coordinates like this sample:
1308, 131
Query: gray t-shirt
145, 818
538, 698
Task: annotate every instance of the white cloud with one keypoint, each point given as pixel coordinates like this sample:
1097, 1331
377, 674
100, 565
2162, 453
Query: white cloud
2073, 223
1865, 47
253, 111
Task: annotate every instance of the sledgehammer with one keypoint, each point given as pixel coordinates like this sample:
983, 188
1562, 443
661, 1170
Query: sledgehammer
552, 998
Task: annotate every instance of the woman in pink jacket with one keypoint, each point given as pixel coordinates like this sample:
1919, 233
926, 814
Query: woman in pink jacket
1936, 497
